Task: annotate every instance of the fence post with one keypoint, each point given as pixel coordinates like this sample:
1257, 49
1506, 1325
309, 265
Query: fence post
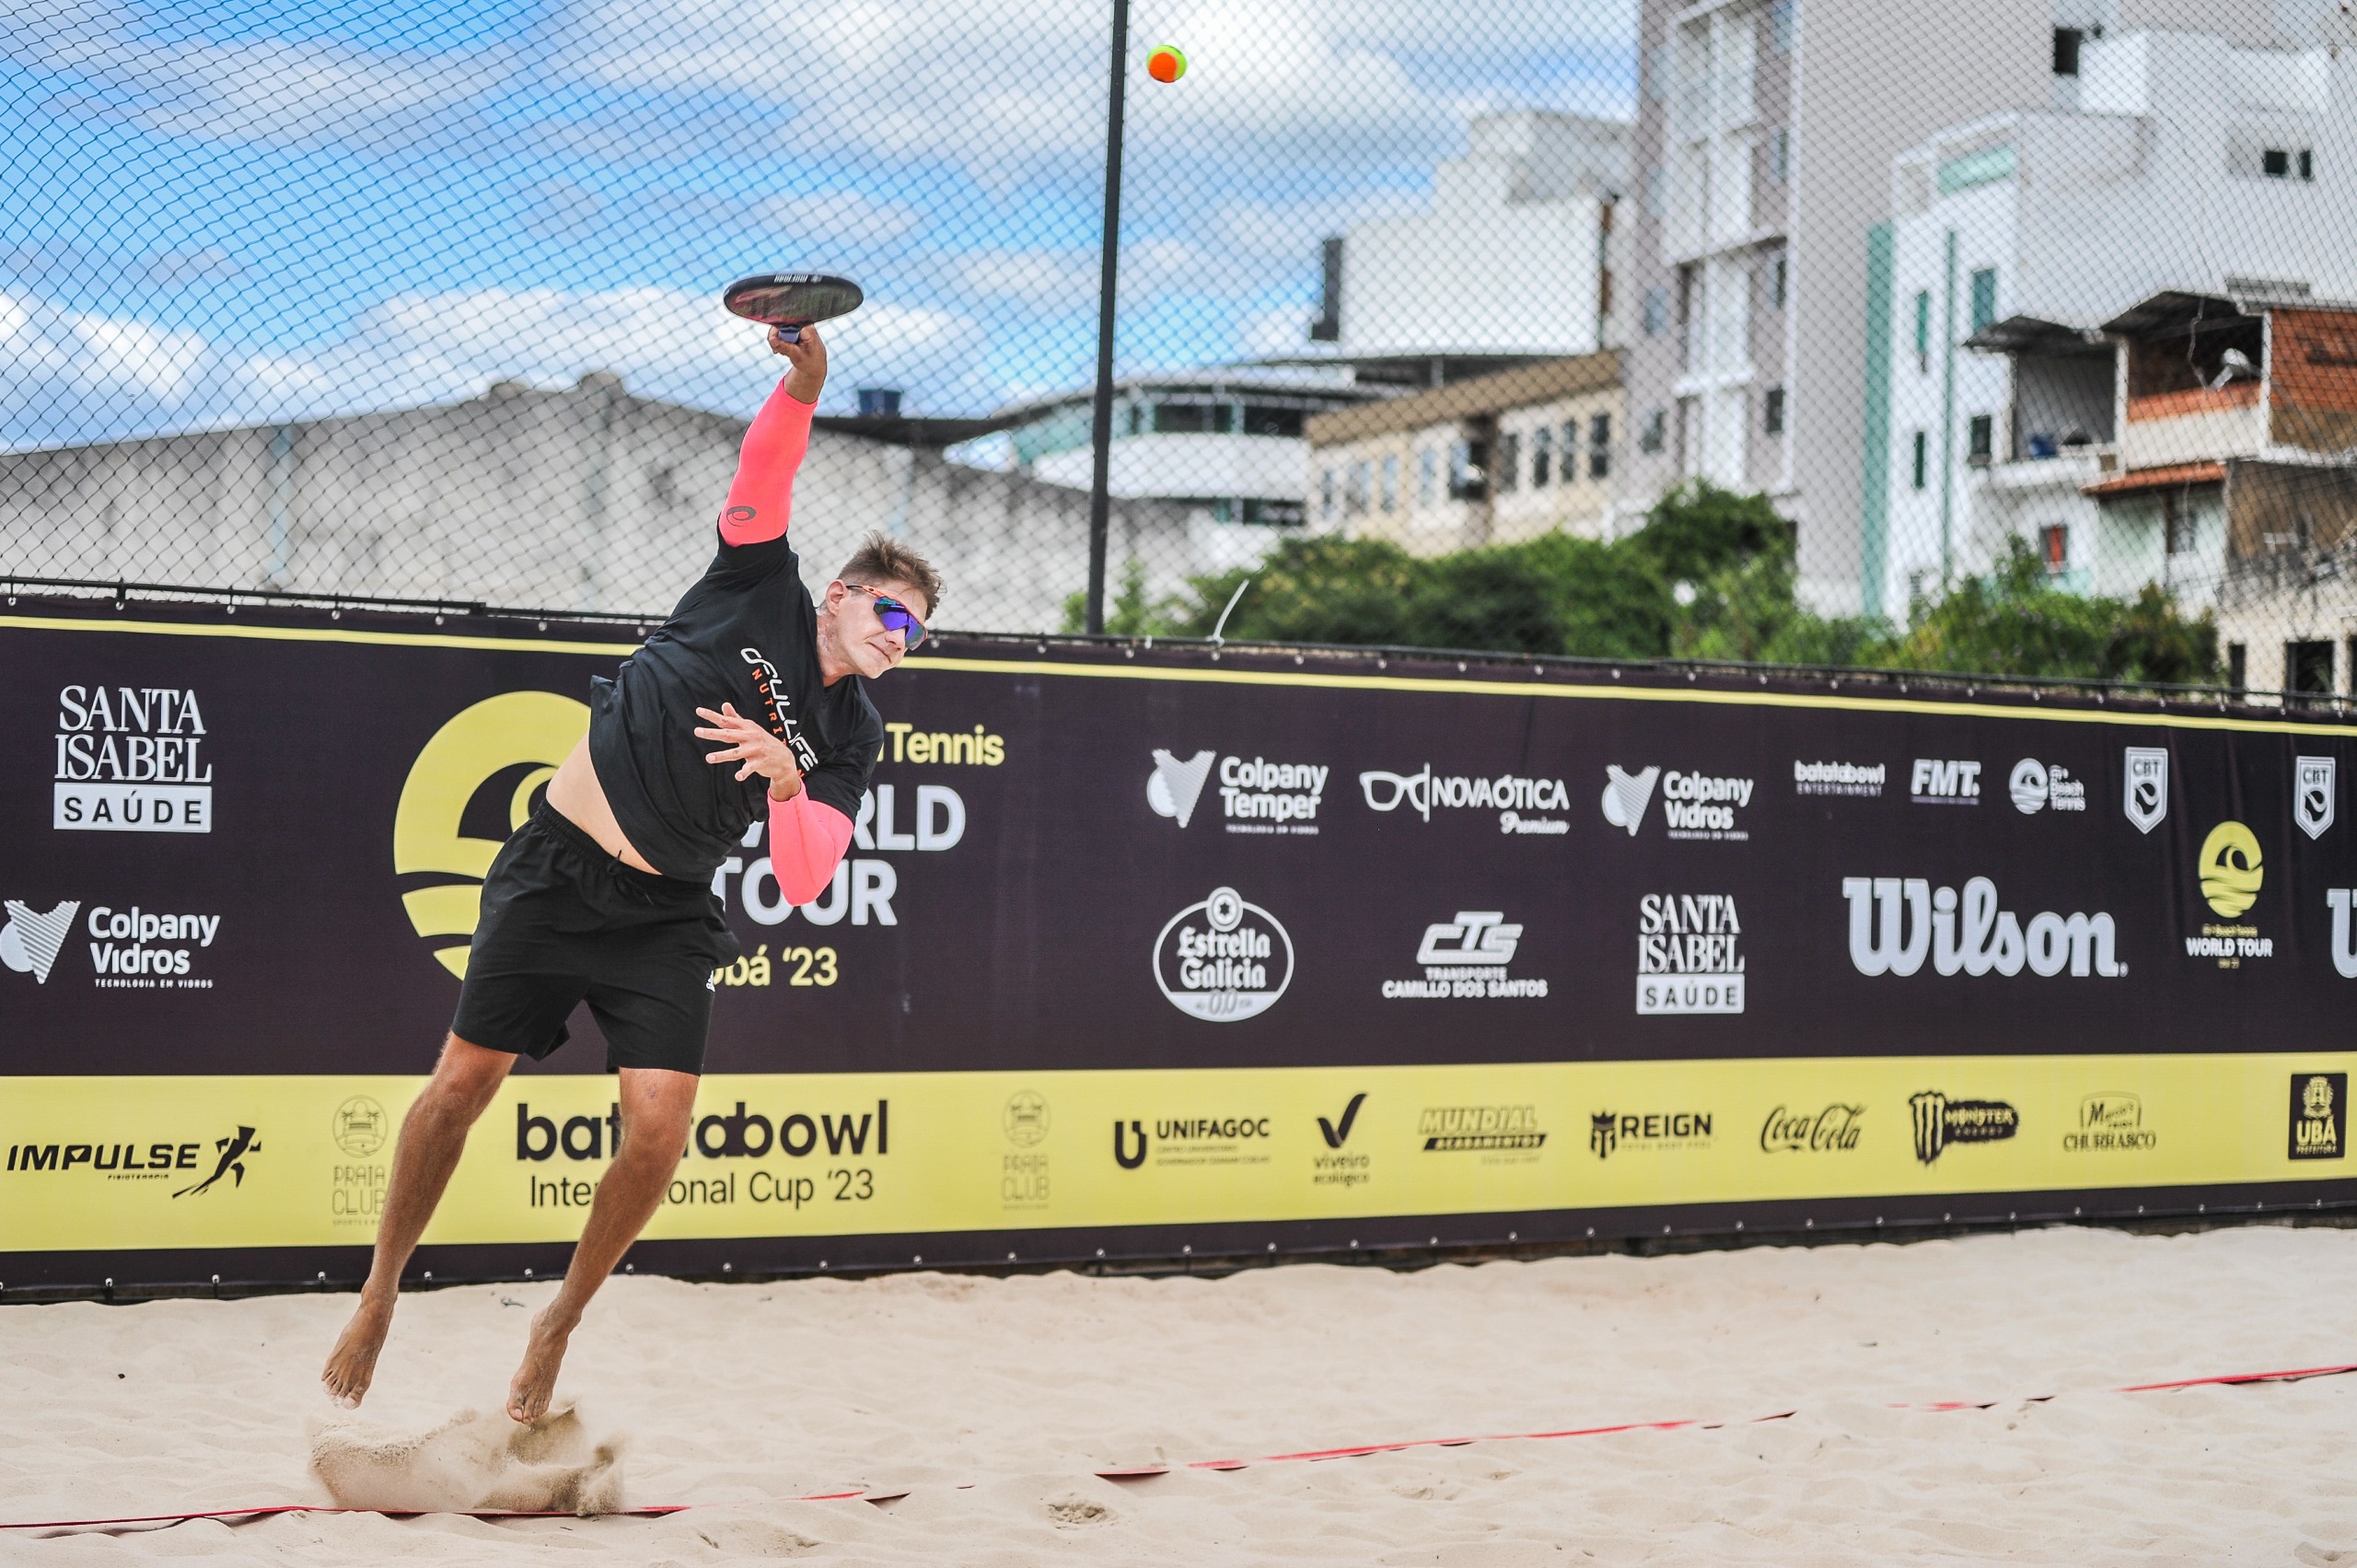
1100, 431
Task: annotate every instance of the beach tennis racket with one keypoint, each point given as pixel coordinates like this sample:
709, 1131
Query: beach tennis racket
791, 301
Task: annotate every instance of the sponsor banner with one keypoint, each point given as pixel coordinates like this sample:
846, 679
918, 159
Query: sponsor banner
302, 1161
1087, 861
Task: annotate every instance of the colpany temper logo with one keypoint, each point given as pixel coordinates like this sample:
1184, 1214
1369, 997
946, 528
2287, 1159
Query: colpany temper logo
1255, 796
480, 770
1967, 936
778, 707
30, 939
1175, 785
1509, 794
1232, 963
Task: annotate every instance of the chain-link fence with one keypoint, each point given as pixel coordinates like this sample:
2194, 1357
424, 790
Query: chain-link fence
2008, 337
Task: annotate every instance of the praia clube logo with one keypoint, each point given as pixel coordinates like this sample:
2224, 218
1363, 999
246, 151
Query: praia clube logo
1222, 959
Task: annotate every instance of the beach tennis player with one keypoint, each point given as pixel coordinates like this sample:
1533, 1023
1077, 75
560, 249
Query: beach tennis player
749, 702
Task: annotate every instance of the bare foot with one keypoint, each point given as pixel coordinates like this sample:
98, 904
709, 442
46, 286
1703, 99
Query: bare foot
535, 1381
351, 1365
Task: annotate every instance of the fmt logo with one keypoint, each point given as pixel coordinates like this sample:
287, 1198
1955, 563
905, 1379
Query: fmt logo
1940, 783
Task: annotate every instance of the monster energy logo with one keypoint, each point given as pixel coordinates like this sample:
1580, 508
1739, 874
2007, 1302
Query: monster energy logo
1940, 1122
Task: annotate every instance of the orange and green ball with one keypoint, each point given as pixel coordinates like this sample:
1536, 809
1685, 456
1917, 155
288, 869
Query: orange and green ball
1165, 63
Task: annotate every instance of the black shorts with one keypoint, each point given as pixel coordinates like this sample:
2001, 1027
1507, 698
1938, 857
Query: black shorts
563, 922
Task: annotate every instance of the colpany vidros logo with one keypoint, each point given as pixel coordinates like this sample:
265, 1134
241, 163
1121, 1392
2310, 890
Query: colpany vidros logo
1694, 806
1627, 795
472, 785
31, 938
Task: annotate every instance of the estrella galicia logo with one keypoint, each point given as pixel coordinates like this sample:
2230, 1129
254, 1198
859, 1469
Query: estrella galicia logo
233, 1151
1940, 1122
2314, 787
2146, 799
1222, 959
1337, 1133
2320, 1116
30, 939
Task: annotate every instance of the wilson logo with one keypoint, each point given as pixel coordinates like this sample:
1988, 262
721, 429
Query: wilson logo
1896, 923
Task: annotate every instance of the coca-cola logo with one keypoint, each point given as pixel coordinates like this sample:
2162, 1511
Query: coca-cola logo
1831, 1130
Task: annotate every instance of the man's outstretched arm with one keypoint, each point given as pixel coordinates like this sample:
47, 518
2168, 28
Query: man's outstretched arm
761, 498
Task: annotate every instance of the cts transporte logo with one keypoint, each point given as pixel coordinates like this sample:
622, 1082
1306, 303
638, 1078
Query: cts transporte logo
513, 742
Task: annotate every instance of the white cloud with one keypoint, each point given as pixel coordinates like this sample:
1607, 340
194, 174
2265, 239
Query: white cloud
840, 217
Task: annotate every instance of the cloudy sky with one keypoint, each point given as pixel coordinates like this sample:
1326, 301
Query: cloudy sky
243, 210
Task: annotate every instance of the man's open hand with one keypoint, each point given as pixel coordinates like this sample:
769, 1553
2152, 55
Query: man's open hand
752, 748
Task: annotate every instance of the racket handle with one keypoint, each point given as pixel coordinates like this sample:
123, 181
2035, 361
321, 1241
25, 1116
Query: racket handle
791, 334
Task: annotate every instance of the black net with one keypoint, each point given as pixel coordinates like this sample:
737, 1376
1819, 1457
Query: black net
2005, 338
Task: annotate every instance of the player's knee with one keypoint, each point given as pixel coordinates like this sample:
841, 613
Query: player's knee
469, 1075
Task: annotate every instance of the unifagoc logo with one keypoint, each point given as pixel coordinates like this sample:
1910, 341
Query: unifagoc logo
31, 939
517, 739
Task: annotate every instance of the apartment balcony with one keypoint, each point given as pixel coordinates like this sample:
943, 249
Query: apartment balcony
2202, 425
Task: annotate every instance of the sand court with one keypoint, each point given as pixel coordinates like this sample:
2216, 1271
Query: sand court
989, 1403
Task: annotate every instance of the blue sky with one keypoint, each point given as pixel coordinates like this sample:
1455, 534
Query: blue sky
262, 209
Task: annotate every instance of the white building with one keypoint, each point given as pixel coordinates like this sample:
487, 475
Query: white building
1509, 259
1765, 132
2189, 164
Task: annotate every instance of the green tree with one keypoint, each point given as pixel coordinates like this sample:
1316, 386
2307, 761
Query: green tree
2015, 622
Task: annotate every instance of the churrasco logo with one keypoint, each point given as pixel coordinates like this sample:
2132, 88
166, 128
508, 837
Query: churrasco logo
1833, 1130
2320, 1116
2146, 795
30, 939
1968, 935
2231, 871
1609, 1131
2110, 1123
1175, 784
1839, 778
2034, 785
1222, 959
1467, 957
480, 770
1940, 1122
1511, 796
129, 761
2316, 789
1687, 961
1938, 782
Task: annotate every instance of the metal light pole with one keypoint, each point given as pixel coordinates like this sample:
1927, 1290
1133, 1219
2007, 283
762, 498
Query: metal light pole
1100, 430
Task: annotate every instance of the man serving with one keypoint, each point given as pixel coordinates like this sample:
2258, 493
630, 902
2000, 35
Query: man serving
604, 896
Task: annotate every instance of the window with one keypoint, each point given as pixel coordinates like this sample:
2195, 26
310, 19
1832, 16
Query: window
1137, 418
1780, 154
1468, 476
1653, 192
1326, 495
2275, 163
2066, 51
1390, 487
1262, 420
1781, 18
1656, 434
2054, 547
2237, 662
1277, 514
1656, 311
2177, 528
2307, 667
1920, 470
1923, 331
1779, 280
1427, 467
1981, 438
2307, 164
1984, 297
1542, 453
1771, 411
1355, 491
1509, 464
1600, 444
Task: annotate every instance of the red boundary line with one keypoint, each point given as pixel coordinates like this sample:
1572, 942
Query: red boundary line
1136, 1472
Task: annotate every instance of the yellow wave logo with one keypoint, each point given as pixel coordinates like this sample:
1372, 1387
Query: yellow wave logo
2231, 871
517, 739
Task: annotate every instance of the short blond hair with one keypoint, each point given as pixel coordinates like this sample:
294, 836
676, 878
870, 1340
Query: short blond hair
880, 560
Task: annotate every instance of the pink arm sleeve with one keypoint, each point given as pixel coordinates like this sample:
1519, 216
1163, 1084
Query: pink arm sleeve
761, 498
807, 840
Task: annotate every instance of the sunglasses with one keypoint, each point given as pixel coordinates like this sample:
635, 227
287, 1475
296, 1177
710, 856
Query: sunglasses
895, 616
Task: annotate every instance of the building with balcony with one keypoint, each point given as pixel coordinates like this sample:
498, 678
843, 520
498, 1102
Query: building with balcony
1492, 461
1755, 234
1992, 402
